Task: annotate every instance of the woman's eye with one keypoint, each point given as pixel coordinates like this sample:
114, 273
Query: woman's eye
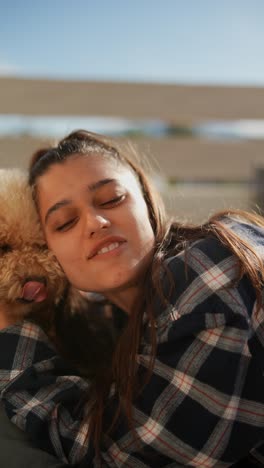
67, 225
114, 201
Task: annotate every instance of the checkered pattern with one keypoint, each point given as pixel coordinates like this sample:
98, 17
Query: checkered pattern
204, 404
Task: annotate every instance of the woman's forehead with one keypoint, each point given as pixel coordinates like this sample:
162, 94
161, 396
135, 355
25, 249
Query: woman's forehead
77, 173
90, 165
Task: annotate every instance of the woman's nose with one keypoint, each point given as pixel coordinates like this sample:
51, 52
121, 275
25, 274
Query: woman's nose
95, 223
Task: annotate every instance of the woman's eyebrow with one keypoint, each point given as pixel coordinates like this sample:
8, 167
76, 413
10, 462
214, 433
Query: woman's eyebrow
61, 203
99, 184
56, 207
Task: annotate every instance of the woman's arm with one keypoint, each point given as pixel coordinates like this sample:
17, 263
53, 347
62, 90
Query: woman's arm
40, 394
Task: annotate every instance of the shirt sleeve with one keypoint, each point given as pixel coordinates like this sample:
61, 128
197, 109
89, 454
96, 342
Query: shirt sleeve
41, 395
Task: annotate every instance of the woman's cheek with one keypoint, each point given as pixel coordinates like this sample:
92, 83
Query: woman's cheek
56, 246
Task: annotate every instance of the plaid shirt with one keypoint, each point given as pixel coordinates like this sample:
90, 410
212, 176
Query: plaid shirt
204, 404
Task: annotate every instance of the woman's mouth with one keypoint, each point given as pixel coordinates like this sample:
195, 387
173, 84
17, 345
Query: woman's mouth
110, 247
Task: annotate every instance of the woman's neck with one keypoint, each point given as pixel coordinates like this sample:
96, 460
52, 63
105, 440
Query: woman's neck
124, 299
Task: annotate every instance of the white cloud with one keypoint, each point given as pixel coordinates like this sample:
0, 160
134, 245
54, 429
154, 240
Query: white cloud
8, 69
245, 129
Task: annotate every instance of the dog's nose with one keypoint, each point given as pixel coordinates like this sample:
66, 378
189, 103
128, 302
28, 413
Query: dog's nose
5, 248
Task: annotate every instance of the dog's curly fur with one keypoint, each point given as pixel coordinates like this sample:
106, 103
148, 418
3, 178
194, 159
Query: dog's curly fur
23, 253
85, 339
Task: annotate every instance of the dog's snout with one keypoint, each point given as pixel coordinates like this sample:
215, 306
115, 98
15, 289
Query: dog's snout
39, 279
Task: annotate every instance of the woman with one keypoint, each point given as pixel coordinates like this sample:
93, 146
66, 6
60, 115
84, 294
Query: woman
186, 382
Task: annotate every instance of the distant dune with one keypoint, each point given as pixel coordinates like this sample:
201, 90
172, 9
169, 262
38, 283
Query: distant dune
170, 102
178, 159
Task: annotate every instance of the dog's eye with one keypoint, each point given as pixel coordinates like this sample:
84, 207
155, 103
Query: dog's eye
5, 248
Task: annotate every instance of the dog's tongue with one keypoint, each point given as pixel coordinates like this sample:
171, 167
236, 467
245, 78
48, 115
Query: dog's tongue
34, 291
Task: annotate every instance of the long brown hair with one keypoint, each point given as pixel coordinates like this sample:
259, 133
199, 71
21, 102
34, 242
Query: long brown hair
170, 237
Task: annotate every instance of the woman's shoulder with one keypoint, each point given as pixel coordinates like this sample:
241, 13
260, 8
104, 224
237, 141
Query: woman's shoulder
249, 231
207, 268
210, 250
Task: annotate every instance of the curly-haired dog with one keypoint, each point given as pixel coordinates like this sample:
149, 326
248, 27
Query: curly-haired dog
32, 283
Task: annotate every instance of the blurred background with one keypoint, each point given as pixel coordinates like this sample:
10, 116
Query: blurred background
183, 81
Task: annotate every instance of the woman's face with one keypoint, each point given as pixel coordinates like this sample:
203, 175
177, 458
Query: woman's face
96, 222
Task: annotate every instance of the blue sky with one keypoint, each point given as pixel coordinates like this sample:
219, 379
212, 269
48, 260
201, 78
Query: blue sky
192, 41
